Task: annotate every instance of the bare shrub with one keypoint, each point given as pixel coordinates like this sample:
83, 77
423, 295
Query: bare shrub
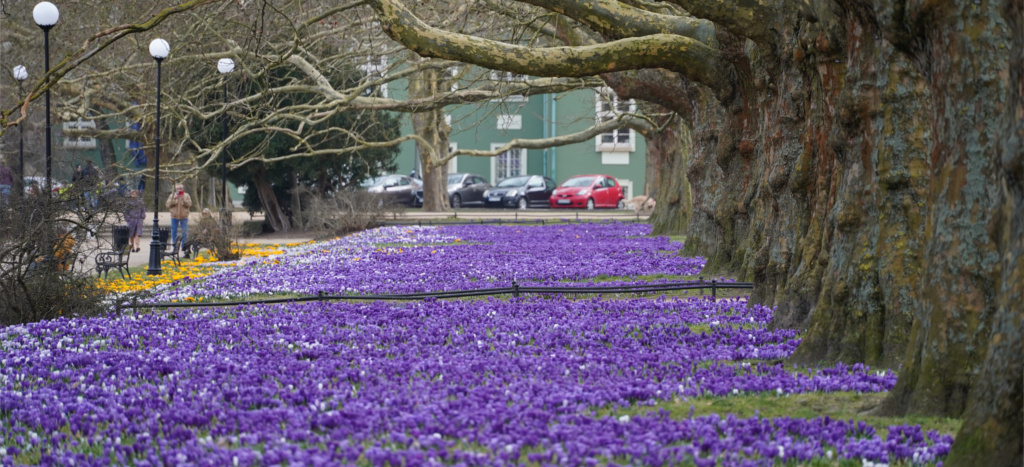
219, 236
45, 245
346, 211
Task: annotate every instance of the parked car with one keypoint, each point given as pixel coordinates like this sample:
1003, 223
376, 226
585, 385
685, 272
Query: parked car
466, 189
397, 189
589, 191
527, 191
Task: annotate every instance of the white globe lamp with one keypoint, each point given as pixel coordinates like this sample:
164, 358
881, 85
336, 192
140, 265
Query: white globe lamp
159, 49
46, 14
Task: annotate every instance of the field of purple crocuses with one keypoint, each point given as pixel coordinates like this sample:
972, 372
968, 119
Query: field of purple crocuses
522, 381
427, 259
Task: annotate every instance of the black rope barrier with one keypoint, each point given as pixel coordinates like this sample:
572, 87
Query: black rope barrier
516, 291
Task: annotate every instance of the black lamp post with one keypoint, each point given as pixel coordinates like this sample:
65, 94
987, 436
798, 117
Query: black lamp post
46, 15
224, 66
21, 74
159, 49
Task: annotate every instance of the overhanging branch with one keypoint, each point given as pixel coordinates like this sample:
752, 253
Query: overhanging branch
684, 55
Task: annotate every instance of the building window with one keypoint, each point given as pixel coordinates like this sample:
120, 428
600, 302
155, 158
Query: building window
376, 68
509, 77
79, 142
510, 163
608, 108
510, 122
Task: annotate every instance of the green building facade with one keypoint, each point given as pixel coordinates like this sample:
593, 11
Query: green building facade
489, 125
70, 152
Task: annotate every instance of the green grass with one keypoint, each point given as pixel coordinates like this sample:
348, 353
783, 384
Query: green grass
837, 405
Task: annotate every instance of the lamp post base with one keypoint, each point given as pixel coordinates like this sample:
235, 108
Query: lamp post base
154, 251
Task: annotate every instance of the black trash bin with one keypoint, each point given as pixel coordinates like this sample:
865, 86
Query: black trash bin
120, 237
165, 234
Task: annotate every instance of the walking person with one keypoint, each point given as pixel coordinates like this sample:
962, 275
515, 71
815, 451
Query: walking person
179, 203
6, 181
134, 213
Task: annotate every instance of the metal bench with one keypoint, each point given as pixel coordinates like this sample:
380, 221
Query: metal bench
117, 259
173, 254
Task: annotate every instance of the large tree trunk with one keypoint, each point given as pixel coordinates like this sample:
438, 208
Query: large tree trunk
433, 129
866, 275
271, 208
970, 79
668, 157
993, 427
107, 155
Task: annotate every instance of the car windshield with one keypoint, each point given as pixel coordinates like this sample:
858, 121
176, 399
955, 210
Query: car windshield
514, 181
372, 182
454, 178
578, 181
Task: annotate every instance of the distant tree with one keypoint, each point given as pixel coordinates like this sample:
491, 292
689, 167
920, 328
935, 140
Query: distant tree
271, 186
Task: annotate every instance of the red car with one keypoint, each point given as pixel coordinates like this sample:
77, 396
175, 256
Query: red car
588, 191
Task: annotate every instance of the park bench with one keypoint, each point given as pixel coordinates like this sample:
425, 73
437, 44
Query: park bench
173, 254
116, 259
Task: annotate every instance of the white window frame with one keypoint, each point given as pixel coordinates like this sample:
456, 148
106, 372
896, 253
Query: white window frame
614, 158
79, 142
600, 98
508, 77
494, 162
453, 163
510, 122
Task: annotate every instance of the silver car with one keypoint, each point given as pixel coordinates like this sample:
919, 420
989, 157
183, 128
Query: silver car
466, 189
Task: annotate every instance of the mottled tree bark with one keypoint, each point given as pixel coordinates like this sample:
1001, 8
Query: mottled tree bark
668, 156
866, 274
993, 429
963, 49
431, 127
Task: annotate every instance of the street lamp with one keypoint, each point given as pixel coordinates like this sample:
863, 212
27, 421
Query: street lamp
159, 49
21, 74
46, 15
224, 66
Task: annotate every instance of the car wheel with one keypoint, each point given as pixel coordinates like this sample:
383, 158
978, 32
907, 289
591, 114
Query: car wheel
622, 204
590, 204
521, 204
456, 202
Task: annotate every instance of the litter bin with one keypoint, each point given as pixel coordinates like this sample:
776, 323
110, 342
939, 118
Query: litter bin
165, 233
120, 237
